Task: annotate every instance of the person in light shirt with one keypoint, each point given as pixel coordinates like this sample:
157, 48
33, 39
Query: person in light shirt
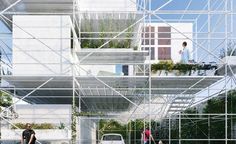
185, 56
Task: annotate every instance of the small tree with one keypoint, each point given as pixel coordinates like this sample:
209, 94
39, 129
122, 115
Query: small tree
5, 101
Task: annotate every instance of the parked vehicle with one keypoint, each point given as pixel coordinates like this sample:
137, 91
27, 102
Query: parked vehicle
112, 138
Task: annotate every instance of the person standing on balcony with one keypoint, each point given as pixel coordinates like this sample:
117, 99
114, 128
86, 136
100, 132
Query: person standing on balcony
28, 135
185, 56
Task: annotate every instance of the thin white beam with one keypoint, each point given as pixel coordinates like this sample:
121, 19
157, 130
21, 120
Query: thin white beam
208, 27
10, 6
185, 10
150, 74
226, 73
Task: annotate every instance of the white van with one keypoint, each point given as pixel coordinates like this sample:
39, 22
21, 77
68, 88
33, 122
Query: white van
112, 138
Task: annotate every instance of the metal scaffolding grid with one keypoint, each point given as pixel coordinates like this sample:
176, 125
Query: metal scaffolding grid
147, 97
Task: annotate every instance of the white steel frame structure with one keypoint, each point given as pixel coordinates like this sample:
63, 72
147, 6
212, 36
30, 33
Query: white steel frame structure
125, 98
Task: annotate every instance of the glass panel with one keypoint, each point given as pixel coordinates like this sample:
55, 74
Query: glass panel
164, 29
152, 51
164, 35
125, 69
148, 36
111, 138
119, 69
164, 53
164, 41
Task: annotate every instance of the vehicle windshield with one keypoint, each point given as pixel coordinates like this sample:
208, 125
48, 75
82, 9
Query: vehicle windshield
111, 137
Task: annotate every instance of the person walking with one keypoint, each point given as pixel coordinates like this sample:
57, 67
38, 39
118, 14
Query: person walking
147, 136
28, 135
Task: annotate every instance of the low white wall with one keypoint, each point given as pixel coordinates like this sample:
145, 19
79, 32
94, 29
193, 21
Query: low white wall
231, 60
52, 134
54, 114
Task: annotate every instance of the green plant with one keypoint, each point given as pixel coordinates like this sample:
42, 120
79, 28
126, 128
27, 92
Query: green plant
34, 126
183, 68
5, 99
90, 114
62, 126
74, 122
169, 66
135, 48
96, 32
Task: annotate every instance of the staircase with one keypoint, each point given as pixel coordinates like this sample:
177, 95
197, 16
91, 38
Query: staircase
179, 104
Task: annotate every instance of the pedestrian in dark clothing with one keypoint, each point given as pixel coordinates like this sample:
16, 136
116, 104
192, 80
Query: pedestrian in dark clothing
28, 135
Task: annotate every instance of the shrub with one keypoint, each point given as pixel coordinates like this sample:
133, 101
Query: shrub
34, 126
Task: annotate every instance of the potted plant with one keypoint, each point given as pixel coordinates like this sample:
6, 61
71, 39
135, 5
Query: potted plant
163, 67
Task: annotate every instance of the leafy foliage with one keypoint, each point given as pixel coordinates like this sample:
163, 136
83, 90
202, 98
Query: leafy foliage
96, 32
204, 126
131, 130
91, 114
5, 99
111, 126
35, 126
195, 126
62, 126
168, 66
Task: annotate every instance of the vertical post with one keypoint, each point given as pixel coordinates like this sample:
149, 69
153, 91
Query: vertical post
226, 66
61, 54
135, 141
209, 129
231, 17
0, 124
196, 39
73, 127
231, 114
144, 125
149, 76
179, 127
127, 133
98, 127
209, 141
74, 117
208, 26
130, 132
170, 129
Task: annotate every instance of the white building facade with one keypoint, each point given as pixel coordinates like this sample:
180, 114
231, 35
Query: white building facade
41, 45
